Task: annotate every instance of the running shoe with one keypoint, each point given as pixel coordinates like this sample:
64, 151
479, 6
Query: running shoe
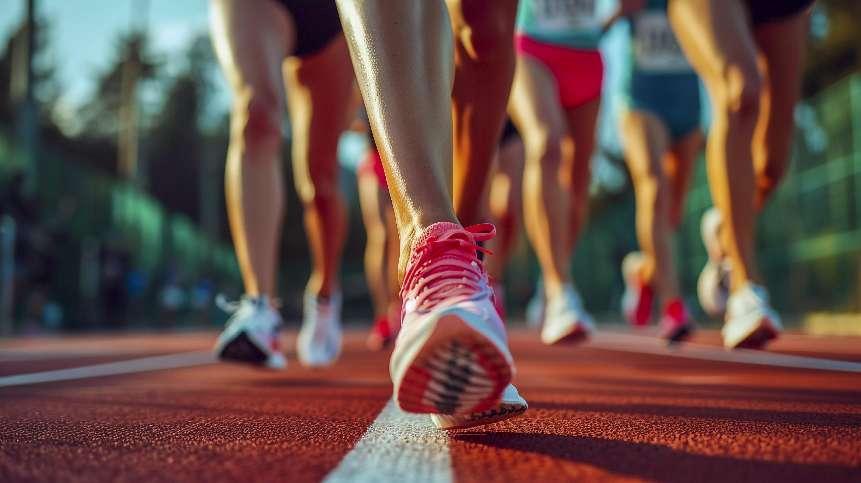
535, 307
566, 321
713, 282
750, 321
510, 406
381, 334
319, 341
639, 297
451, 356
252, 333
676, 323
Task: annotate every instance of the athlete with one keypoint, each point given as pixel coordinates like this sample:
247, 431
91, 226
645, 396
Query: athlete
661, 131
381, 247
267, 48
749, 54
554, 103
451, 358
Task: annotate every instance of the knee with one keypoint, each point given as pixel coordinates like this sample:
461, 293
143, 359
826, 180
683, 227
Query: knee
257, 122
741, 91
487, 35
545, 152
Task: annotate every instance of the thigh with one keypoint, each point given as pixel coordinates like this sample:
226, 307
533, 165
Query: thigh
782, 46
582, 121
251, 44
534, 105
716, 37
320, 98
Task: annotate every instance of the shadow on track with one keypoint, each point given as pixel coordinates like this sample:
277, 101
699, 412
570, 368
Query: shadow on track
650, 461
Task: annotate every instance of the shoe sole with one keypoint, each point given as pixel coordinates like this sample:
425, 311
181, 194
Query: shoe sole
241, 349
495, 415
680, 334
576, 335
762, 333
457, 370
759, 337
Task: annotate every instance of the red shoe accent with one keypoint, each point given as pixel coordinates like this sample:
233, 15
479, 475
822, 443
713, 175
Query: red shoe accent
676, 323
642, 314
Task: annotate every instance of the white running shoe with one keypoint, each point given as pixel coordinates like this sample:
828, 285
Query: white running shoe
566, 321
252, 333
750, 320
535, 307
511, 405
451, 355
319, 341
713, 282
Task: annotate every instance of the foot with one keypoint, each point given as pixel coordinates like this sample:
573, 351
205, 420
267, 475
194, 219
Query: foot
566, 321
319, 341
750, 320
451, 356
676, 323
381, 334
639, 297
510, 406
535, 307
713, 282
252, 334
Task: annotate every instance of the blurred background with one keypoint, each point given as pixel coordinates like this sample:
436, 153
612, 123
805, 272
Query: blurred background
114, 128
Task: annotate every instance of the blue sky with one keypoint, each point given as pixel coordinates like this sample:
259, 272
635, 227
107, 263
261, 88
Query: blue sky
84, 33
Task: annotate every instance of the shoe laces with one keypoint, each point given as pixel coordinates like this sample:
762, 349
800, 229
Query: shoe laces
447, 266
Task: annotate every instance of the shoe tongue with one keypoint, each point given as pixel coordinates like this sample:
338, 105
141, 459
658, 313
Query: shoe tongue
438, 230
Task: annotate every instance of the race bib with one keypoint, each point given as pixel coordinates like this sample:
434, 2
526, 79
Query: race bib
555, 15
655, 45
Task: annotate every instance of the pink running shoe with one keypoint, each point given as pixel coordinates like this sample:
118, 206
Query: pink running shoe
451, 356
499, 298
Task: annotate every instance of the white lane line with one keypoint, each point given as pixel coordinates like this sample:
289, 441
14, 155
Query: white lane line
156, 363
397, 447
654, 345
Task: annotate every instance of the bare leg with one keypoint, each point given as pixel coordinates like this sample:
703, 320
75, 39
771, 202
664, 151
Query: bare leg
546, 200
576, 177
505, 205
402, 53
372, 200
716, 37
646, 141
320, 90
678, 169
251, 60
782, 48
484, 67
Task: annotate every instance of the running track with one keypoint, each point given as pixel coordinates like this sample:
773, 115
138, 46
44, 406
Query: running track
623, 408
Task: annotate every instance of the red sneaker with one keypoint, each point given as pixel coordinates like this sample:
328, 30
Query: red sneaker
676, 323
451, 356
380, 335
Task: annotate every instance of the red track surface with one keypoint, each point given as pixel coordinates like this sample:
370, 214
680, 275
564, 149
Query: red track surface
595, 414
